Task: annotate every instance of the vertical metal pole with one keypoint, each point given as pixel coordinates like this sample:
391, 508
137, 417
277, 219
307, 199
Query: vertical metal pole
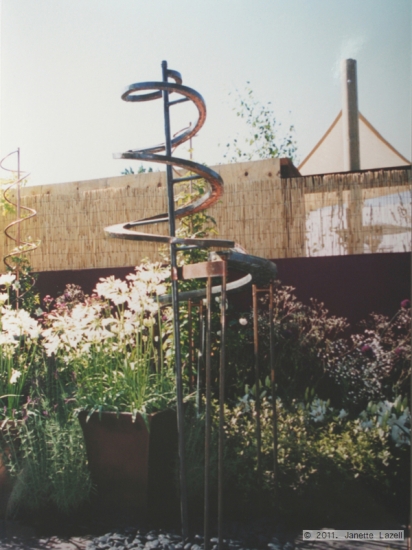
257, 385
18, 226
18, 197
221, 410
175, 306
208, 411
190, 363
350, 116
200, 357
273, 387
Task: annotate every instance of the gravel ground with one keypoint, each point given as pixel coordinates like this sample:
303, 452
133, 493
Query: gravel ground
240, 536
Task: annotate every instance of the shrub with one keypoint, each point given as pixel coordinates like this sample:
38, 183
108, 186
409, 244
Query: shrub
46, 459
321, 451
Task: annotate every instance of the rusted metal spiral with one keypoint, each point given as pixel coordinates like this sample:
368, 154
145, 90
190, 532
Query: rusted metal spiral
256, 269
22, 246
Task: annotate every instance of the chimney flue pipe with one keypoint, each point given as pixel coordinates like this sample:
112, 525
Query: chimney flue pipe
350, 117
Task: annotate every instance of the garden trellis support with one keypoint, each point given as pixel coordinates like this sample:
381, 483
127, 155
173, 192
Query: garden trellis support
257, 270
22, 246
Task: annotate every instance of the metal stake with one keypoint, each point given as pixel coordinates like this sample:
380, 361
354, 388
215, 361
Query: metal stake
200, 358
257, 386
221, 410
175, 307
208, 411
273, 387
190, 331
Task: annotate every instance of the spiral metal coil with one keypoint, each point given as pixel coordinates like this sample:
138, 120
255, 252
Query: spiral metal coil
258, 270
22, 246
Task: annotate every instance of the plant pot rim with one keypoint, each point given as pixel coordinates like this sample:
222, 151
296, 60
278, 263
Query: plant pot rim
123, 413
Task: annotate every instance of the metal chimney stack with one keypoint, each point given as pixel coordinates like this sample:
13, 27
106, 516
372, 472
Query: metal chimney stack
350, 118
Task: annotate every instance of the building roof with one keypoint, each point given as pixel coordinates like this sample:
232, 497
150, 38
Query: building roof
327, 155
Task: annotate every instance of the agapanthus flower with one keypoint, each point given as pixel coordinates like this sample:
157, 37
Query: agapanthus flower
112, 289
15, 375
7, 279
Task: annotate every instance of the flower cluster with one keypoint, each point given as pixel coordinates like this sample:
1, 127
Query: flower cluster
374, 365
113, 348
19, 335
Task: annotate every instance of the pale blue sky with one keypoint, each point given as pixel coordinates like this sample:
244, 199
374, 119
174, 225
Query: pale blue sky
64, 64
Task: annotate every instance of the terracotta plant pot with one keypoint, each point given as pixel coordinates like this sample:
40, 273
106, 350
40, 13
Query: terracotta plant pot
127, 462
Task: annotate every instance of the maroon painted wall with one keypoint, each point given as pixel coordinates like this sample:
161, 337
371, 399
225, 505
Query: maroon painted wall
349, 286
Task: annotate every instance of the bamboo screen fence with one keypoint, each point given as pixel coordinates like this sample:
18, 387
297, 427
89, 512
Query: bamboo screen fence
268, 215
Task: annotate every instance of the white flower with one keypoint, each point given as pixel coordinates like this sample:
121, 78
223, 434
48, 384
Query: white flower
342, 413
3, 298
19, 323
51, 342
112, 289
243, 321
161, 289
318, 410
15, 375
7, 279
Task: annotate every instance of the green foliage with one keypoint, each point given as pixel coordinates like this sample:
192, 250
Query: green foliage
116, 344
23, 292
303, 337
264, 140
312, 456
140, 170
19, 350
374, 364
5, 206
313, 350
46, 459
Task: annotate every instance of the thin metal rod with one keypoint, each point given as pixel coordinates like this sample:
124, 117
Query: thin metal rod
175, 307
190, 331
273, 387
18, 241
178, 101
18, 199
186, 178
208, 430
221, 411
257, 385
200, 360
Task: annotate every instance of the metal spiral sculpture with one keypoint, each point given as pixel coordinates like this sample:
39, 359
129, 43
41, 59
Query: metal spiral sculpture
22, 246
258, 270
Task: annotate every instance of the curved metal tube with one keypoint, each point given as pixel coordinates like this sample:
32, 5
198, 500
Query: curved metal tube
258, 270
22, 246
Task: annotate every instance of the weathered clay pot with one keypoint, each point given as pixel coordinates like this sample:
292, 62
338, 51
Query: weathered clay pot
123, 456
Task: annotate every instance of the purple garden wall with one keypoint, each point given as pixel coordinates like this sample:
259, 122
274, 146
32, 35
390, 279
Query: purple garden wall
350, 286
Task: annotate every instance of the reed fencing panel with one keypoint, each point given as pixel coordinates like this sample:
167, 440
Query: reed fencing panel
267, 214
